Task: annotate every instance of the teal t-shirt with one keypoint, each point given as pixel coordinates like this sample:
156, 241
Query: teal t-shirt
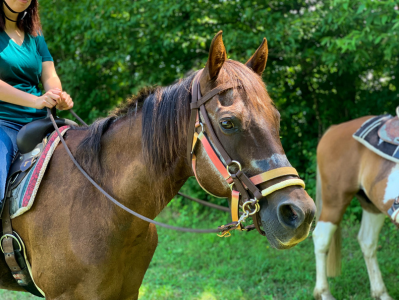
21, 67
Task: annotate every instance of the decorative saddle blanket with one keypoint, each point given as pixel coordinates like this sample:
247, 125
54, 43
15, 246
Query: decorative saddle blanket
23, 196
368, 135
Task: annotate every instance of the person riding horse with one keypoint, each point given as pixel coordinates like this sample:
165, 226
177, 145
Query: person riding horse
24, 61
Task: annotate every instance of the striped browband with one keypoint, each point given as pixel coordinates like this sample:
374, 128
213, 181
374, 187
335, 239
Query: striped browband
242, 187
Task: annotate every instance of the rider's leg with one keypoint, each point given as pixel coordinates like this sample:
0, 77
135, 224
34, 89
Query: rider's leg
8, 149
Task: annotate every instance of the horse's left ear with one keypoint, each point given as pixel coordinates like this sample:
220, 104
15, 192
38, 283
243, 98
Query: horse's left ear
217, 57
257, 62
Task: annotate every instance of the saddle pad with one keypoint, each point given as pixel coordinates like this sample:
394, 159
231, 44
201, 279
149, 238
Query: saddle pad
23, 196
367, 134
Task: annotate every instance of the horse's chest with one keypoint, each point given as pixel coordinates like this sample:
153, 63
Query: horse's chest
392, 186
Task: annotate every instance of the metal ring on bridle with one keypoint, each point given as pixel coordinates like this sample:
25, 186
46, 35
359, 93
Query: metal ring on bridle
7, 236
249, 211
232, 163
202, 127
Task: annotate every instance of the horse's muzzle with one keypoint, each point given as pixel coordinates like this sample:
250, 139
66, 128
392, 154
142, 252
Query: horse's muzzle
286, 217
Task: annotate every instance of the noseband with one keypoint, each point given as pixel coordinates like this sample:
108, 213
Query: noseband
244, 191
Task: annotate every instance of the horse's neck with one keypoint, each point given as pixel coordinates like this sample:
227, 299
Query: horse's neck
127, 176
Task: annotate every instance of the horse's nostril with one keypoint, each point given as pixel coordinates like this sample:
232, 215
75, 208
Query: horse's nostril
290, 215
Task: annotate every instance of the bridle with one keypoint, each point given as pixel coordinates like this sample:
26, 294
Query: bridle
244, 191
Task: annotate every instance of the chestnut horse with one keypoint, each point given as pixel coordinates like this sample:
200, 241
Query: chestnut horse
346, 169
82, 246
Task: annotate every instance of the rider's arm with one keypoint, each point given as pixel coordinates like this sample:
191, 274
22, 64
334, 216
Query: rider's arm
50, 79
12, 95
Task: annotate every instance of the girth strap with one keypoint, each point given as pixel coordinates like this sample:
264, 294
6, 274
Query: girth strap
7, 238
16, 259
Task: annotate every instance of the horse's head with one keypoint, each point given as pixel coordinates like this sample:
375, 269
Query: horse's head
247, 125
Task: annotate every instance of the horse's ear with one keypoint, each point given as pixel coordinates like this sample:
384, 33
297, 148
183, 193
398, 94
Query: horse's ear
217, 56
257, 62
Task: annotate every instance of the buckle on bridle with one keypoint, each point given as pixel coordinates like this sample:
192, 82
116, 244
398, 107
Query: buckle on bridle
232, 163
254, 203
225, 229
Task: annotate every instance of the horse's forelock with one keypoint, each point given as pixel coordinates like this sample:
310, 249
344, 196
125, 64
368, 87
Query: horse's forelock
240, 75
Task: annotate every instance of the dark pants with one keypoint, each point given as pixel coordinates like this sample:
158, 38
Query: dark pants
8, 149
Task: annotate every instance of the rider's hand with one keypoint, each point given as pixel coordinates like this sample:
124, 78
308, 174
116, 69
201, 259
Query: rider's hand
65, 102
49, 99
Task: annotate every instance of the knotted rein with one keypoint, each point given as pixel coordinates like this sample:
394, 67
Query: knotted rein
244, 191
242, 187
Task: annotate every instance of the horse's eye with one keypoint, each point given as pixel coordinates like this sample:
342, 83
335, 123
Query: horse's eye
226, 124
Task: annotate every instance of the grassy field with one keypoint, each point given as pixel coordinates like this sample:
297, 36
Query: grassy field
244, 266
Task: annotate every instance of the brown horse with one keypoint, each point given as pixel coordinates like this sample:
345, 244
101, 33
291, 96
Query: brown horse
81, 246
346, 169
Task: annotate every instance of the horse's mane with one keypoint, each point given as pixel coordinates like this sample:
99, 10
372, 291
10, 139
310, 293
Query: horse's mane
165, 117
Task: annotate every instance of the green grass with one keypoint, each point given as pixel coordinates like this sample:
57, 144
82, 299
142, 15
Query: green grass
244, 266
6, 295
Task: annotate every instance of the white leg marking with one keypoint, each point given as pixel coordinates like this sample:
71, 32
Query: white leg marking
395, 216
391, 190
322, 236
368, 240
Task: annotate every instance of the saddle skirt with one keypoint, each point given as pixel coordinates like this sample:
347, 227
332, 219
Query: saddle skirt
381, 135
24, 185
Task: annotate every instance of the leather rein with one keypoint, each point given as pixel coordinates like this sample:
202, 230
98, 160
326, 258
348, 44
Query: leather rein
242, 187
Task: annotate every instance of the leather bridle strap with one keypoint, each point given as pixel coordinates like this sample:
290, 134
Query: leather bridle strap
198, 104
217, 90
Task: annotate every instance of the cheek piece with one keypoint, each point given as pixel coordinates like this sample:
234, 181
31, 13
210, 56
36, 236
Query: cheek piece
13, 11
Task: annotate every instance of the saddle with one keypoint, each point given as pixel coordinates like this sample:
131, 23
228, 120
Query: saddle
389, 132
33, 133
31, 142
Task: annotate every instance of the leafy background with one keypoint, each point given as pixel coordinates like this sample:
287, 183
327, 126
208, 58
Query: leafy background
329, 61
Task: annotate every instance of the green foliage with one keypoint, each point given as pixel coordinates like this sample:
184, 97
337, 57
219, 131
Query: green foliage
329, 61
